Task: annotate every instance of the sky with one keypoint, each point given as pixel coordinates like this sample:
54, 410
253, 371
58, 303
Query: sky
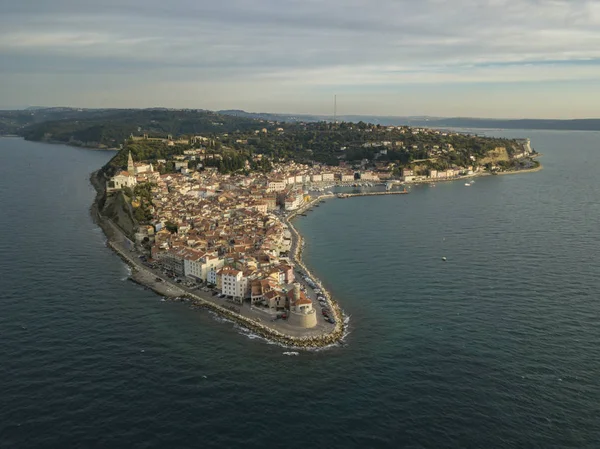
470, 58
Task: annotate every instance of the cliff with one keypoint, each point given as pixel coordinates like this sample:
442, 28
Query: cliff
113, 206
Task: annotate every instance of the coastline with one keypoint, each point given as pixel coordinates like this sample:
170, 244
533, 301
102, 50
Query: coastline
285, 337
526, 170
58, 142
476, 175
145, 277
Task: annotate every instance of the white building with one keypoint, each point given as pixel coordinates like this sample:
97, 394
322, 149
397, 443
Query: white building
181, 164
211, 276
120, 180
328, 177
198, 265
275, 185
293, 201
369, 176
233, 283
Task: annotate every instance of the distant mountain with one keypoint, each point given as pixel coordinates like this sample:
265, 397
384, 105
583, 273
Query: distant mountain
107, 126
431, 122
273, 117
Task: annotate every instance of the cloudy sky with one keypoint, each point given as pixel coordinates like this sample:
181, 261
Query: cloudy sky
487, 58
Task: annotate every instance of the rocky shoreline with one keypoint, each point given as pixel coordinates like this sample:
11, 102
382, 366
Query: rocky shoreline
170, 290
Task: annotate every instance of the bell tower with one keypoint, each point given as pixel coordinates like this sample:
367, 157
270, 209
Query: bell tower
130, 166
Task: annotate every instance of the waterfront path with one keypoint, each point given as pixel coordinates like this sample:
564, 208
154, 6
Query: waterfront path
257, 321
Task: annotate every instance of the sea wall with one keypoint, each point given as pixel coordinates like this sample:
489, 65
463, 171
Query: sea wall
142, 276
340, 325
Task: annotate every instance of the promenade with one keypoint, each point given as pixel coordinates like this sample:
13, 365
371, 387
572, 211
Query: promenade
252, 318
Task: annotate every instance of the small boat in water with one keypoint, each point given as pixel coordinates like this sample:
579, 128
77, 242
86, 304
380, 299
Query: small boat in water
444, 258
467, 184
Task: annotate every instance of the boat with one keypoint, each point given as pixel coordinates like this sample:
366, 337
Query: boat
467, 184
291, 353
444, 258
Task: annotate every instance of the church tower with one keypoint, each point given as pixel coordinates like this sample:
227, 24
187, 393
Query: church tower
130, 166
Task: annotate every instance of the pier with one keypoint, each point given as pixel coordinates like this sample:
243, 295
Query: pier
350, 195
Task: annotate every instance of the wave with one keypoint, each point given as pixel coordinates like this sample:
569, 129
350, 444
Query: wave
129, 272
215, 316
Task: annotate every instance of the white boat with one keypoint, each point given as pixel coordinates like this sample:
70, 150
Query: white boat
467, 184
291, 353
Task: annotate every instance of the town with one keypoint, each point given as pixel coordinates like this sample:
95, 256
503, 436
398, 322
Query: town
219, 224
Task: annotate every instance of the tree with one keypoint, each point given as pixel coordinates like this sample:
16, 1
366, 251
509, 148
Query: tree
171, 227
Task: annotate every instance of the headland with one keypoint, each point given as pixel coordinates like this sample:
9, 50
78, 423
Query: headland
209, 221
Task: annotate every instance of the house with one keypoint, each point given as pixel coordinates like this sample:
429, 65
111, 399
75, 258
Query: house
181, 164
275, 300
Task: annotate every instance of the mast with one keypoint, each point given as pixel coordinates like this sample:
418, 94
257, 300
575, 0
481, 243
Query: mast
334, 109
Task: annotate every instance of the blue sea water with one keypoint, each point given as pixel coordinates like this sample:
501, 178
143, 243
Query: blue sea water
499, 346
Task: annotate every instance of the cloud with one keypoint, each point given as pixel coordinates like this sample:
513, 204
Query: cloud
306, 43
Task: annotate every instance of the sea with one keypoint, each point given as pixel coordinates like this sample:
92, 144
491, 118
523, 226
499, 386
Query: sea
498, 346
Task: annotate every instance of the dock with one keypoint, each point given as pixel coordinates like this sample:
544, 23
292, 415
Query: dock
350, 195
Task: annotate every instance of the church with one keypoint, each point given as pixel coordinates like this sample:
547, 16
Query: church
127, 178
138, 168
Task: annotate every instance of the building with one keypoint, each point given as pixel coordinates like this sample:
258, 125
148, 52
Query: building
293, 201
369, 176
233, 283
172, 259
138, 168
197, 265
180, 164
212, 276
120, 180
301, 313
275, 185
345, 177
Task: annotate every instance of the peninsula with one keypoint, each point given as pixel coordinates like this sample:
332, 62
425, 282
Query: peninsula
208, 219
